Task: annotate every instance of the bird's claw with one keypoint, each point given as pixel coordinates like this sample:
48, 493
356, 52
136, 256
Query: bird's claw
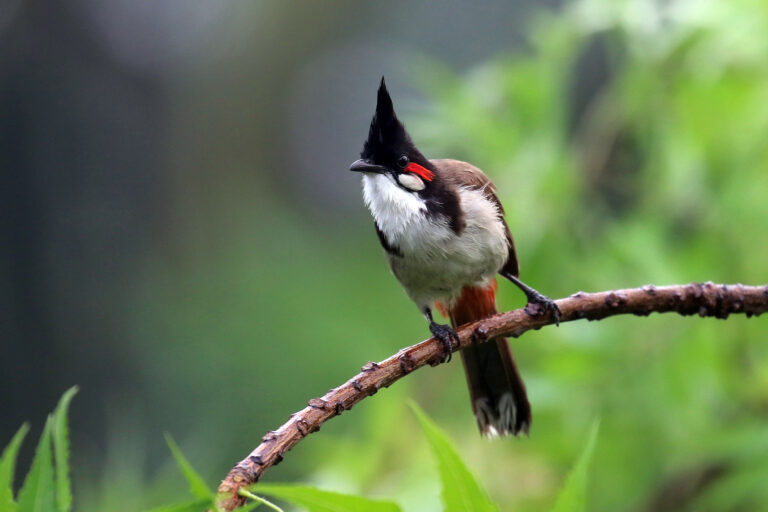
445, 334
539, 304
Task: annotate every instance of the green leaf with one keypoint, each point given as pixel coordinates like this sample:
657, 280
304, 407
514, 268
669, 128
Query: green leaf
573, 496
197, 485
316, 500
61, 451
190, 506
7, 466
37, 493
461, 492
257, 502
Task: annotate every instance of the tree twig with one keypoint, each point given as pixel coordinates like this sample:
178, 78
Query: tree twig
705, 300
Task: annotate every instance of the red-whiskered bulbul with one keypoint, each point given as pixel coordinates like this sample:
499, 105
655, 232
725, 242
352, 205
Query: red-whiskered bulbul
444, 233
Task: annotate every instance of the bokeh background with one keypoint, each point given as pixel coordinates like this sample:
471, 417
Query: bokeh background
180, 237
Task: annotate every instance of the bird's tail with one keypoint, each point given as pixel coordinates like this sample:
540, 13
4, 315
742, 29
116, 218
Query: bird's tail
496, 389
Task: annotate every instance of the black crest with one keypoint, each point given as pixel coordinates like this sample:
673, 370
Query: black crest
387, 136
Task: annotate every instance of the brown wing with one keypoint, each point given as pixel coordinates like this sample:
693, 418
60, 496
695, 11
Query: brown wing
467, 175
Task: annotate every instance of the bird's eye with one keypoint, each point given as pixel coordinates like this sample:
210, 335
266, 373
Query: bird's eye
403, 161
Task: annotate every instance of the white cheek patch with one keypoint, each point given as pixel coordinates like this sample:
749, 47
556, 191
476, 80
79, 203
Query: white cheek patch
410, 182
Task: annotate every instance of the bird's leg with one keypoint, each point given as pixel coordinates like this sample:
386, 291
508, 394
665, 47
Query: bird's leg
442, 332
544, 303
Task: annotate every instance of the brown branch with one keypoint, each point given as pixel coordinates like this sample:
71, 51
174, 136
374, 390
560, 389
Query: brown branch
694, 299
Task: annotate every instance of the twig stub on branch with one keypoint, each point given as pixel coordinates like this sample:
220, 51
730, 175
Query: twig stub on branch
706, 299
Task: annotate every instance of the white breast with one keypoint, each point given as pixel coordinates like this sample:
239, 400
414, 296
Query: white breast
436, 263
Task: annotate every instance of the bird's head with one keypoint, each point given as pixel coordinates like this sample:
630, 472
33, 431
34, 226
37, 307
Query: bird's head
390, 151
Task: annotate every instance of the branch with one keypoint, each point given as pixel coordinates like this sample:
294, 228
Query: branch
707, 299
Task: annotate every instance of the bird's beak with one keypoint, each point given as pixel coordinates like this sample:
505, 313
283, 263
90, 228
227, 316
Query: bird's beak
366, 166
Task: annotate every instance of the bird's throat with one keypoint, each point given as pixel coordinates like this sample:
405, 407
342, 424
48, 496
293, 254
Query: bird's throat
395, 210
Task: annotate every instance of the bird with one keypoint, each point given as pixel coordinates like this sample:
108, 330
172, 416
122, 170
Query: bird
442, 227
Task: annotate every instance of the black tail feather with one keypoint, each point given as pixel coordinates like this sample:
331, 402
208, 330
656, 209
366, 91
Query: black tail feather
497, 391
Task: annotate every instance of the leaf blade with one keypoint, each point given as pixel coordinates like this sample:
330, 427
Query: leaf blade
257, 502
7, 467
573, 496
197, 485
37, 493
61, 451
190, 506
317, 500
460, 490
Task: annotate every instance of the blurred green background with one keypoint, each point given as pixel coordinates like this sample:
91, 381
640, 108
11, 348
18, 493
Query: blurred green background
180, 237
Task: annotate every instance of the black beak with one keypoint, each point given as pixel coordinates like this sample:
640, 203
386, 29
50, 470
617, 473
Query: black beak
366, 166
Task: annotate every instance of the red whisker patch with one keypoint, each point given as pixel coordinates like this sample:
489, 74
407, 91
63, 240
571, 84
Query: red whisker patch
418, 170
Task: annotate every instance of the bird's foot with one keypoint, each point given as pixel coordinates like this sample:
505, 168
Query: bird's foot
539, 304
445, 334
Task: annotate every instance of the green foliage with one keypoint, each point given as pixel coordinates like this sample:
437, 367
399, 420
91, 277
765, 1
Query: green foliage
61, 450
38, 492
7, 466
257, 501
191, 506
460, 490
46, 487
573, 496
43, 491
197, 485
316, 500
